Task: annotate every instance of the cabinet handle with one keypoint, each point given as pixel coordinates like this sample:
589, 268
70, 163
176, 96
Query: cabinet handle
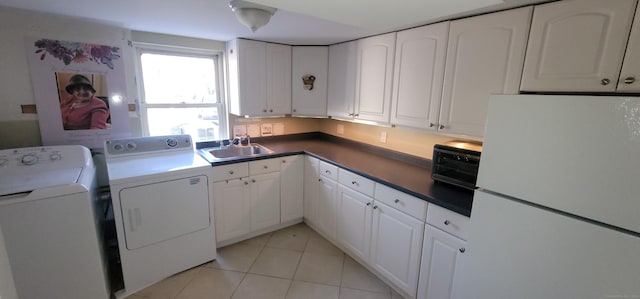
431, 125
356, 115
351, 114
441, 127
246, 183
368, 204
253, 181
462, 250
284, 161
230, 171
264, 110
447, 222
354, 183
327, 172
375, 207
605, 81
266, 167
270, 110
396, 201
294, 110
629, 80
319, 180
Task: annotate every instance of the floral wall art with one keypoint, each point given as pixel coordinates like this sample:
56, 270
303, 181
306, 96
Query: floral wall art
79, 91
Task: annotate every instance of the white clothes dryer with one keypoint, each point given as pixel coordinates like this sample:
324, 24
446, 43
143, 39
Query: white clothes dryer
50, 221
162, 205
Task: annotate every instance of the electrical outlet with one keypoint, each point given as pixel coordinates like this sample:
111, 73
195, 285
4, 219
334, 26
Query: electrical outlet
340, 129
383, 137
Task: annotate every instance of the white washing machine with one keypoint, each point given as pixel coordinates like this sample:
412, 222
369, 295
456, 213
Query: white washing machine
162, 205
50, 221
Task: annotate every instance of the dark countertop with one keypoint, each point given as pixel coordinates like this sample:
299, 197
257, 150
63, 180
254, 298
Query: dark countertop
400, 171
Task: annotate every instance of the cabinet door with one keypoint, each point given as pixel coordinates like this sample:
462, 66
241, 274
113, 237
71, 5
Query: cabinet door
484, 57
418, 76
309, 61
374, 77
353, 215
265, 200
440, 266
252, 83
278, 79
396, 242
577, 45
342, 80
291, 189
326, 206
311, 189
629, 80
232, 208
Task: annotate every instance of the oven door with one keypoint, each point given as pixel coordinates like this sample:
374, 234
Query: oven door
455, 168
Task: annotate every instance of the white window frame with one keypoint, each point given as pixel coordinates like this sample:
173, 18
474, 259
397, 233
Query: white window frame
217, 56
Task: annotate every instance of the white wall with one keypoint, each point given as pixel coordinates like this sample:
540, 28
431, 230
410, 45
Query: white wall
21, 130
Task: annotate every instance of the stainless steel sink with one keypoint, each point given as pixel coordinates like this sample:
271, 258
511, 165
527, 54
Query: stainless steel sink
225, 153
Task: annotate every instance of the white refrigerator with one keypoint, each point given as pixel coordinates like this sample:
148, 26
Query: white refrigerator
557, 214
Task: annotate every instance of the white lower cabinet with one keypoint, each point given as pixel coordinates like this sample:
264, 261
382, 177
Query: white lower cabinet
442, 253
291, 188
326, 204
265, 200
354, 214
232, 208
311, 190
244, 204
396, 241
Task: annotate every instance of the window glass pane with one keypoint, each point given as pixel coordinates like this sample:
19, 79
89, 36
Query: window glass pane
201, 123
170, 79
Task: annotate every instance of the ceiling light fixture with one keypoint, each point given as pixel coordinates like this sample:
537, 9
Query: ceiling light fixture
252, 15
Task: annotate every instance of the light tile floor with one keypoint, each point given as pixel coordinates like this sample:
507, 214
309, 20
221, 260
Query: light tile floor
292, 263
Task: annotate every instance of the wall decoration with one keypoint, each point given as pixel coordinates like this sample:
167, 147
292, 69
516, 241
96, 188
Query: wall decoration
79, 91
308, 81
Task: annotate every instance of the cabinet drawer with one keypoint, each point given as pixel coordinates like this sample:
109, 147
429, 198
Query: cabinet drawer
406, 203
230, 171
264, 166
329, 170
356, 182
448, 221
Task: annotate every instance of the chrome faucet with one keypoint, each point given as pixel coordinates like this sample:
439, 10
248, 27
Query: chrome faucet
241, 140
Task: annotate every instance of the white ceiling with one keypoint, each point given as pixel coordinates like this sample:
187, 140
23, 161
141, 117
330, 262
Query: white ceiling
297, 22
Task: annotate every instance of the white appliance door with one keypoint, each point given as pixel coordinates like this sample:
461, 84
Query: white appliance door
578, 154
519, 251
157, 212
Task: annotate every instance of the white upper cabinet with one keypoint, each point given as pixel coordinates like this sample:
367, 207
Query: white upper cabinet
578, 45
418, 76
485, 55
629, 80
259, 78
278, 79
342, 80
374, 77
309, 81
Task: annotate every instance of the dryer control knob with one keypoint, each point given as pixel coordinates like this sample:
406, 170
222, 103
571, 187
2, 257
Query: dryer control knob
172, 142
55, 157
131, 146
29, 159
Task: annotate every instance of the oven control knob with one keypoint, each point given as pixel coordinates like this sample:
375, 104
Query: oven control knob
117, 147
55, 157
172, 142
29, 159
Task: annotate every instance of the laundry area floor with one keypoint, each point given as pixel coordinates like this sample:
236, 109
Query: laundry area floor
292, 263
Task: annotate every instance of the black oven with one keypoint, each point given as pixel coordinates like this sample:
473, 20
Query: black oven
456, 163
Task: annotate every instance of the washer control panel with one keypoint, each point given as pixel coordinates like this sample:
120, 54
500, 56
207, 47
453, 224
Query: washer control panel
62, 156
140, 145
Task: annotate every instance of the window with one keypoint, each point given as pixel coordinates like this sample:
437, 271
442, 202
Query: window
180, 92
